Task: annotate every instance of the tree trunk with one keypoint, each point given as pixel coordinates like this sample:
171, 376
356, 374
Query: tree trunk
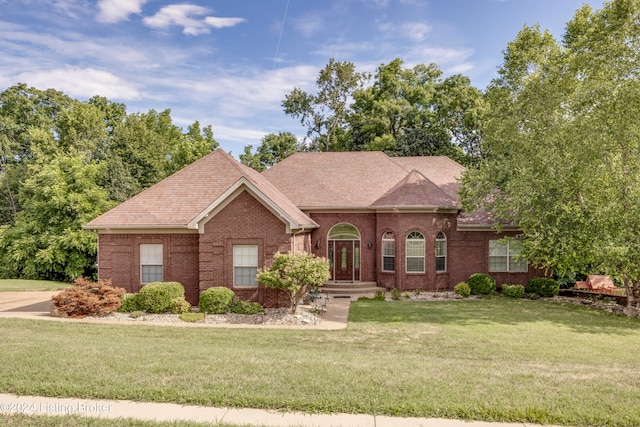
633, 298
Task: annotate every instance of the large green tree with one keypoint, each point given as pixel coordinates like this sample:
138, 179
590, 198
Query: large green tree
562, 146
324, 113
65, 161
273, 148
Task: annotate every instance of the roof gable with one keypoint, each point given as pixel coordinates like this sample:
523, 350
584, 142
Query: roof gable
187, 197
415, 191
357, 180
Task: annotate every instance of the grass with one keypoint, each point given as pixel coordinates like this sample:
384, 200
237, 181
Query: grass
21, 420
17, 285
495, 360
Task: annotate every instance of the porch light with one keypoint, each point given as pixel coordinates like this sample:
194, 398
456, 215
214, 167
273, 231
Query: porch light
318, 244
370, 244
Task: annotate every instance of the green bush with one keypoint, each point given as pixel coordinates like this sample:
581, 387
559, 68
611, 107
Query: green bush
543, 287
156, 297
216, 300
513, 291
379, 295
179, 305
129, 303
481, 284
396, 294
246, 307
462, 289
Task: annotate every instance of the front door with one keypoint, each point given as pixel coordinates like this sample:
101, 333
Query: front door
343, 260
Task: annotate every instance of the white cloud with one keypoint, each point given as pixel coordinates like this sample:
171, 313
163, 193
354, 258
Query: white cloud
112, 11
216, 22
81, 82
183, 15
415, 31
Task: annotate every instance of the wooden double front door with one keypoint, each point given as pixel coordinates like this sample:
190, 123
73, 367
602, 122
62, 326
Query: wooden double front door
344, 256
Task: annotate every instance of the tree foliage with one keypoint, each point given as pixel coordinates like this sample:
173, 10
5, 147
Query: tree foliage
64, 161
403, 111
324, 113
562, 145
295, 274
272, 149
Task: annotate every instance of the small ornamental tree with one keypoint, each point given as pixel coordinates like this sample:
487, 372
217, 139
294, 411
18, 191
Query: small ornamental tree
295, 274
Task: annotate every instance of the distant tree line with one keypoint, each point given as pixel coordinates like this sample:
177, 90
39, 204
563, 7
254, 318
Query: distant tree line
401, 111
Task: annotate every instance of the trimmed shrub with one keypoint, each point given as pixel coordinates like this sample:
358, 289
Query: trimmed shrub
129, 303
156, 297
87, 298
543, 287
179, 305
246, 307
481, 284
462, 289
513, 291
216, 300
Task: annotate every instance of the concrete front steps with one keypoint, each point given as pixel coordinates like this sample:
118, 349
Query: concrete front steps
348, 289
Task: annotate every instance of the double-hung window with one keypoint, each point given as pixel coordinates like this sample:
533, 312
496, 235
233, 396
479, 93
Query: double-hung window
503, 256
415, 252
388, 251
441, 252
245, 265
151, 263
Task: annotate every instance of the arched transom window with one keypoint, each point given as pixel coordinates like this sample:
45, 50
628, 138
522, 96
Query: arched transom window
344, 231
415, 252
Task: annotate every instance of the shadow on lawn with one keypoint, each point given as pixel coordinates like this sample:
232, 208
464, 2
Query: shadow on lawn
499, 311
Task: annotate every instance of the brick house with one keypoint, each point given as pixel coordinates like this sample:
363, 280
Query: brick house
394, 222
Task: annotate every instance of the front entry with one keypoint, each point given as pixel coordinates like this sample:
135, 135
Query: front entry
344, 260
344, 257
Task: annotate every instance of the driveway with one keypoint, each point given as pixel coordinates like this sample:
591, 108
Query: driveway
26, 303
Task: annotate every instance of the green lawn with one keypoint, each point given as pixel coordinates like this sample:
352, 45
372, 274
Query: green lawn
500, 360
16, 285
20, 420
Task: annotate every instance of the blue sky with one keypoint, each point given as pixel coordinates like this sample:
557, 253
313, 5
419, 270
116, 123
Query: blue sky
230, 63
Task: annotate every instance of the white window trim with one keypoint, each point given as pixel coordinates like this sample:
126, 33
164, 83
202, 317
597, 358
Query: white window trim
144, 263
407, 256
393, 255
443, 256
508, 256
235, 284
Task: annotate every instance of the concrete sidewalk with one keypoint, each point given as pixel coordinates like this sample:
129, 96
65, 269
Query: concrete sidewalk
113, 409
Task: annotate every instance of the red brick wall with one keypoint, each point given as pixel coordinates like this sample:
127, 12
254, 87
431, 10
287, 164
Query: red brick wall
467, 251
402, 224
119, 260
244, 221
365, 223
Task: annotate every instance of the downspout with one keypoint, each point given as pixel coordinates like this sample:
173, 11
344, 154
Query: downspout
294, 239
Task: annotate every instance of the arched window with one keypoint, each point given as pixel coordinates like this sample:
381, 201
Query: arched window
415, 252
441, 252
388, 251
344, 231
